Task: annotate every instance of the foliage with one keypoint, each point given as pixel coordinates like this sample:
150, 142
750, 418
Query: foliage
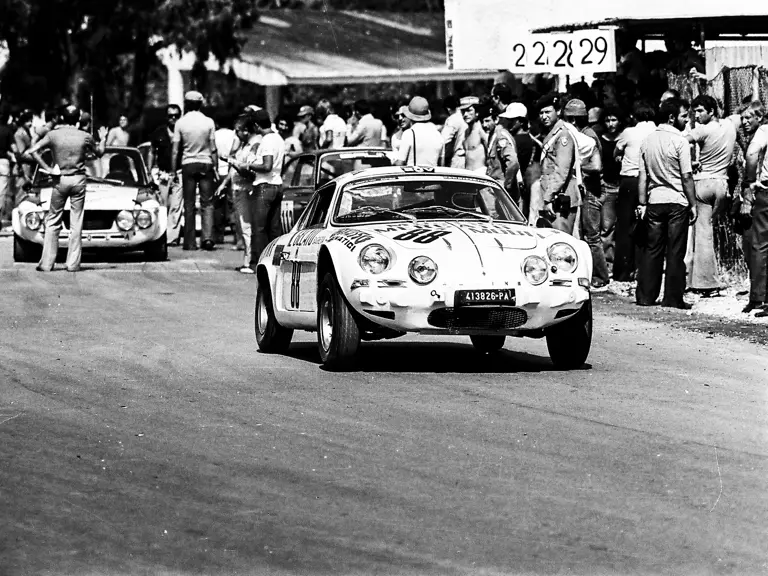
78, 49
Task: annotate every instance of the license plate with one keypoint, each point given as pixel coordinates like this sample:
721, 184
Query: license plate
492, 296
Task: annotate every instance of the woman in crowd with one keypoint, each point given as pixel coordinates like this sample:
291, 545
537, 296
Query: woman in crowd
242, 182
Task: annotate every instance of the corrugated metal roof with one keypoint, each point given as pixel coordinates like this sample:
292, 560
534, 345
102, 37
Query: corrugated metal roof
331, 47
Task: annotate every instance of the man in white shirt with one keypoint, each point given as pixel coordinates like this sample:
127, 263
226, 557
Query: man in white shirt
755, 194
267, 192
368, 131
628, 152
195, 141
333, 130
453, 133
421, 144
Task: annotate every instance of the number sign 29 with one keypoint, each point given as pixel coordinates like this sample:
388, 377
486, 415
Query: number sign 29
583, 52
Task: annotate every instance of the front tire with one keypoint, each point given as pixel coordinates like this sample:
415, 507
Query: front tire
569, 342
488, 344
338, 336
270, 336
157, 250
26, 251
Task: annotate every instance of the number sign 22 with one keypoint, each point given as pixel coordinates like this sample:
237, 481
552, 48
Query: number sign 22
584, 52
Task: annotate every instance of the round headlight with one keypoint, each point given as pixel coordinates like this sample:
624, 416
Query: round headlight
124, 220
535, 269
563, 256
143, 219
33, 220
422, 270
375, 259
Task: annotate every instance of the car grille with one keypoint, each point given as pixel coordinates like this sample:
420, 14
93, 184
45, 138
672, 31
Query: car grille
477, 318
95, 219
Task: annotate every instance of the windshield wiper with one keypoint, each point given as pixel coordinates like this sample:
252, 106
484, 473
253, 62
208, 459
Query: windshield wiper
448, 210
375, 210
104, 180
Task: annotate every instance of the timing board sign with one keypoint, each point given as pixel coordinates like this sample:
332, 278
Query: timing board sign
489, 34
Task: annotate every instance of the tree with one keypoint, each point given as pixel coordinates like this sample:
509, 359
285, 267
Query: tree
75, 49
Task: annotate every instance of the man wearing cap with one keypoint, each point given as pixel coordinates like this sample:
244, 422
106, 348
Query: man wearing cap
558, 157
516, 120
591, 166
502, 163
368, 130
422, 144
305, 129
475, 138
194, 140
69, 148
453, 133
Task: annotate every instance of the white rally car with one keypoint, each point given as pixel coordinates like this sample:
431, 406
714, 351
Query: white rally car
386, 251
122, 210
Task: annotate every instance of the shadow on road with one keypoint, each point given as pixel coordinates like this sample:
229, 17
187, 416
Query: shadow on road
433, 357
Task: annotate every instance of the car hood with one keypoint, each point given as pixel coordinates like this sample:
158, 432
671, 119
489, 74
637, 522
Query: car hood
461, 236
100, 197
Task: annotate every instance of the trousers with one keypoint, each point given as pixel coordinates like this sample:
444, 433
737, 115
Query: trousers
591, 225
264, 203
667, 237
6, 190
701, 261
608, 225
626, 255
194, 176
758, 252
243, 209
173, 200
70, 188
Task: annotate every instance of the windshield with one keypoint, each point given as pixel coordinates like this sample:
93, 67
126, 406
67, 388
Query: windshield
124, 167
425, 199
338, 163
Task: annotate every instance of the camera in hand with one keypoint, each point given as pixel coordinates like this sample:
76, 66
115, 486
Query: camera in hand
561, 204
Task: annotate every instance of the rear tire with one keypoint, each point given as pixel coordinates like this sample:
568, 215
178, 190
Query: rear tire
569, 342
488, 344
26, 251
157, 250
270, 336
338, 336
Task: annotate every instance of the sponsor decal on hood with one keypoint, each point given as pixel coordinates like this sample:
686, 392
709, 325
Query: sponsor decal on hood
492, 235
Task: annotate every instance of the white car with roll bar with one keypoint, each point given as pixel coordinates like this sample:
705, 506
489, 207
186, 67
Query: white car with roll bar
122, 209
386, 251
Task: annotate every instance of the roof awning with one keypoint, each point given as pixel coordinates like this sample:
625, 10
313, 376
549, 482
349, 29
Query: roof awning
340, 47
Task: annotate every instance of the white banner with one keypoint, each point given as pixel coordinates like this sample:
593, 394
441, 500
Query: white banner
493, 34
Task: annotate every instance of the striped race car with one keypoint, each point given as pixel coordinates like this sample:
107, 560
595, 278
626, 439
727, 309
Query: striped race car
386, 251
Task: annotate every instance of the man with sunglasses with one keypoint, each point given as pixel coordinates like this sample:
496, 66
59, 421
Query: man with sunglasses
160, 165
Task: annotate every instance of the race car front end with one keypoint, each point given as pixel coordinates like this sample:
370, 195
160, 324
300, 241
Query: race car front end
443, 292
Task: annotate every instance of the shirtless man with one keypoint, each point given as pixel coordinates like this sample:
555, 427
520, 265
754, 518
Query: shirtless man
475, 139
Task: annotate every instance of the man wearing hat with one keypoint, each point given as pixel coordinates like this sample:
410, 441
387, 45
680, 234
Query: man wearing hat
502, 163
475, 138
422, 144
453, 133
558, 159
575, 112
194, 140
515, 120
305, 129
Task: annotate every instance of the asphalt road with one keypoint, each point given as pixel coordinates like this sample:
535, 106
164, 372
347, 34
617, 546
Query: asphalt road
141, 432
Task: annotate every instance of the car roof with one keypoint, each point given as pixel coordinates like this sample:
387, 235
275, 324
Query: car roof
411, 171
351, 150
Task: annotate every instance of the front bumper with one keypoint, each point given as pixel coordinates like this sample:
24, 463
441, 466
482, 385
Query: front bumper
404, 307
